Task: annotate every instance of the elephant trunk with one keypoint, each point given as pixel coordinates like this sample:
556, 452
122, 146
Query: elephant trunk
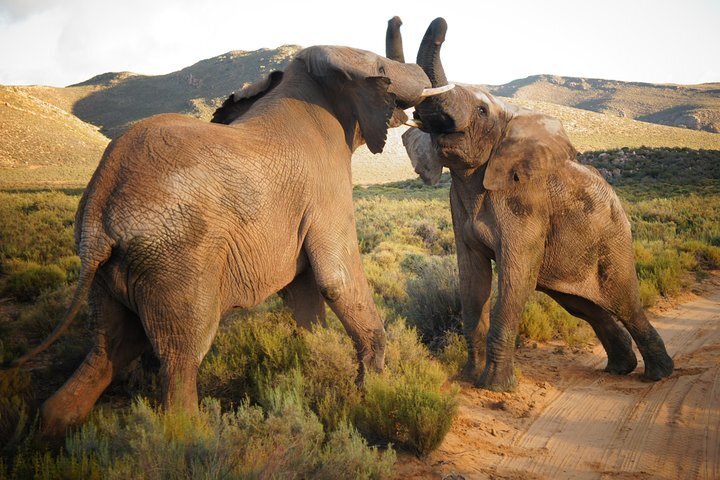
393, 41
441, 113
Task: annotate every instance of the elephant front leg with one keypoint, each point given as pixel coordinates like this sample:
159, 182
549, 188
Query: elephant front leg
340, 277
475, 275
517, 277
475, 288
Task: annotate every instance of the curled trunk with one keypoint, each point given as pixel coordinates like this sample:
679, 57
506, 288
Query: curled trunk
442, 113
393, 41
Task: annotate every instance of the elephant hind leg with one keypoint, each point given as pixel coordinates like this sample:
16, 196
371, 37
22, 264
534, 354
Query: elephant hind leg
181, 328
302, 296
658, 363
615, 340
119, 340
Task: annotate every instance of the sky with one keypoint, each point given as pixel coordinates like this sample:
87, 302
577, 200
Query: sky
60, 42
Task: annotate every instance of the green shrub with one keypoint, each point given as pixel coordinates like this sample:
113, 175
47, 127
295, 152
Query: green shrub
648, 293
707, 256
15, 391
453, 354
30, 280
330, 371
407, 405
249, 353
285, 441
543, 319
434, 299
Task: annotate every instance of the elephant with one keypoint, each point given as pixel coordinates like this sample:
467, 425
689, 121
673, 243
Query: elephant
520, 198
184, 220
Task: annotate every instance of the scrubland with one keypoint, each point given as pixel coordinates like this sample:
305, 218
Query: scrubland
280, 402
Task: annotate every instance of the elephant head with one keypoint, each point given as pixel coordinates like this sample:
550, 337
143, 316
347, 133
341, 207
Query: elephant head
467, 128
365, 91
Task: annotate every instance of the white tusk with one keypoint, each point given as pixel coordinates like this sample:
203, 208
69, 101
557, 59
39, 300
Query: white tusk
413, 123
430, 92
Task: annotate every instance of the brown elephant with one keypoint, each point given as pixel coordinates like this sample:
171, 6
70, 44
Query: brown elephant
519, 197
184, 220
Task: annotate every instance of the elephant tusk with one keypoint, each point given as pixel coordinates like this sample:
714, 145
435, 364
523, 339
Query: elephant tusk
431, 92
413, 123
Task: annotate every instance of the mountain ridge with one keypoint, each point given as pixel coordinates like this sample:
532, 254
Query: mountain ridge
56, 135
696, 107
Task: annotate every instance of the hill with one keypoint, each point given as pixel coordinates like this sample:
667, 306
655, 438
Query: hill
113, 101
43, 144
66, 144
695, 107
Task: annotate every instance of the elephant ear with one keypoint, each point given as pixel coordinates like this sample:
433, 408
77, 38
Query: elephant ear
240, 102
423, 156
359, 86
533, 145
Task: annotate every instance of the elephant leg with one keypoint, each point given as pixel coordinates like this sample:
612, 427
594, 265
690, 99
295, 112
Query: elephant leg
475, 272
119, 340
615, 340
475, 276
335, 259
181, 323
302, 296
658, 363
517, 277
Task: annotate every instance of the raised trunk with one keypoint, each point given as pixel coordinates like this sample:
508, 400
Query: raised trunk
442, 113
393, 41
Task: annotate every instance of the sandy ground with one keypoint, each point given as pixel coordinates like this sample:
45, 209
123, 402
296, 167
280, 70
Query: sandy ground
569, 419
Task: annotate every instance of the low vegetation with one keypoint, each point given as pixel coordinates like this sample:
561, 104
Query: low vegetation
280, 401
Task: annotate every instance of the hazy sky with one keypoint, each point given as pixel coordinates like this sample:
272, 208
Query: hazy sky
59, 42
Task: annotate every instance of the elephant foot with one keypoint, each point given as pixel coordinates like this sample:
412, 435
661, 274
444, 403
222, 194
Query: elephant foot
498, 377
659, 368
58, 418
471, 372
621, 365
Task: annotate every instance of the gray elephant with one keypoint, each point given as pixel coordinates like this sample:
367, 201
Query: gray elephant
520, 198
184, 220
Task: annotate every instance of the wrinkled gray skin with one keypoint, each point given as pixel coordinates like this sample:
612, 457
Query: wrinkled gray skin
520, 198
184, 220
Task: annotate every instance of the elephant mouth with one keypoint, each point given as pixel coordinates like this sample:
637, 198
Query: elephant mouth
449, 145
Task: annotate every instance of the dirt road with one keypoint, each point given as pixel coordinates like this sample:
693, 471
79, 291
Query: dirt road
568, 419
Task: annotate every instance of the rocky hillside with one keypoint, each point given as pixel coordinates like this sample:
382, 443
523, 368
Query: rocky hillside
113, 101
695, 107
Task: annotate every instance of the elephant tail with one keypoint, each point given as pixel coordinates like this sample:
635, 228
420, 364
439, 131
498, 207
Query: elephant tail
102, 249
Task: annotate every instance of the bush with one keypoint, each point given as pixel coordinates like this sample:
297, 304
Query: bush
408, 405
707, 256
434, 299
543, 319
249, 353
286, 441
330, 371
648, 293
15, 392
29, 280
453, 354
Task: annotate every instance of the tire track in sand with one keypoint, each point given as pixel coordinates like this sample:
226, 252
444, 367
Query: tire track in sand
618, 427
